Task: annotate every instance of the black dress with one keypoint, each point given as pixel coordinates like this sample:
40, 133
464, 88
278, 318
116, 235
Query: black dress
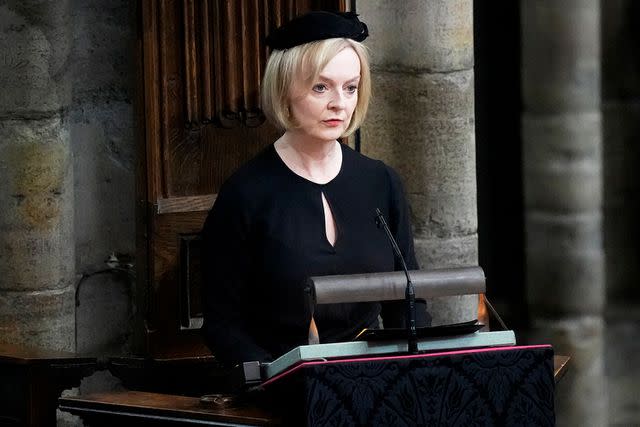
265, 235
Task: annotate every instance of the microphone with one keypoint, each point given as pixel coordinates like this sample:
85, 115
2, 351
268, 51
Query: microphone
409, 294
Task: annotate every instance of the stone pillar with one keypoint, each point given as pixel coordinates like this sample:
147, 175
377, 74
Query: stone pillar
421, 122
561, 132
36, 194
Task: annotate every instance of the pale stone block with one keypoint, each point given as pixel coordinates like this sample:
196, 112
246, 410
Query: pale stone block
561, 136
32, 260
422, 125
444, 212
420, 95
36, 217
562, 162
35, 66
36, 169
459, 251
456, 309
39, 319
560, 55
558, 233
573, 188
572, 283
433, 35
581, 398
565, 263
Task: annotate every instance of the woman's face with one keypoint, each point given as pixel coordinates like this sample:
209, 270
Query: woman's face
323, 108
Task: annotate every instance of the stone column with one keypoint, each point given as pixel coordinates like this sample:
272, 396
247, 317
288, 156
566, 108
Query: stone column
36, 190
561, 131
421, 122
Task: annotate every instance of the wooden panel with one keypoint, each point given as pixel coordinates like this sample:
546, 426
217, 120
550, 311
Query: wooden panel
185, 204
190, 281
141, 408
166, 335
223, 42
202, 62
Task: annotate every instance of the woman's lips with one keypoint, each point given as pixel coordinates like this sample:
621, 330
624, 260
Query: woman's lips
333, 122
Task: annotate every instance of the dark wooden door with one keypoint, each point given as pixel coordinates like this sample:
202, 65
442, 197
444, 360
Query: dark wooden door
201, 63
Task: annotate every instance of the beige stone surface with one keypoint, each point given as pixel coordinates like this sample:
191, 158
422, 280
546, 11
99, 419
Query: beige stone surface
35, 41
41, 319
581, 398
447, 252
565, 263
37, 249
423, 126
441, 34
562, 161
560, 55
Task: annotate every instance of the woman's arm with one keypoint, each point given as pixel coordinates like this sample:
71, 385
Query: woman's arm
226, 264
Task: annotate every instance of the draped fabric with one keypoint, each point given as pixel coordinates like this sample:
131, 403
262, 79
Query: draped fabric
512, 387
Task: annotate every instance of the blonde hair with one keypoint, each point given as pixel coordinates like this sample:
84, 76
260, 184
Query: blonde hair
304, 63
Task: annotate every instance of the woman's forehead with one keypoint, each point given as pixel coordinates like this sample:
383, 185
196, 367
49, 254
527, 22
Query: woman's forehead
343, 65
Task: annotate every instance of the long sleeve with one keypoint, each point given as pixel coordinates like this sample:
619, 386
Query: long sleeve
393, 313
226, 262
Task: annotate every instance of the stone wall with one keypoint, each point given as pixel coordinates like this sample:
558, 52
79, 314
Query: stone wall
102, 134
67, 145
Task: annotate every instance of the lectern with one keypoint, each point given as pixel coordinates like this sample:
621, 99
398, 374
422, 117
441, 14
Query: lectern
507, 386
459, 376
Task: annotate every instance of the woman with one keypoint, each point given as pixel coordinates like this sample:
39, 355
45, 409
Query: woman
305, 206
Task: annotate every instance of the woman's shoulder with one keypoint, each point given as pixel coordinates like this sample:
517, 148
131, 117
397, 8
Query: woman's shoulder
249, 178
362, 164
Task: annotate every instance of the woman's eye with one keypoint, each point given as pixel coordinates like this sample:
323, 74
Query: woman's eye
320, 88
352, 88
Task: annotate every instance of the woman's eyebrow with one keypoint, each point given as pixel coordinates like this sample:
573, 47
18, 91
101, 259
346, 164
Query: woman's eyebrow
325, 78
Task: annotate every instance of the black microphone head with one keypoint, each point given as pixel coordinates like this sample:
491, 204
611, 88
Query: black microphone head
378, 216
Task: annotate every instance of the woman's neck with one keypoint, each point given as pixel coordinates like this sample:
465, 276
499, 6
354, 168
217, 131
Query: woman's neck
317, 161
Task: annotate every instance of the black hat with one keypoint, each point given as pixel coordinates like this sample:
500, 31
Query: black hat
319, 25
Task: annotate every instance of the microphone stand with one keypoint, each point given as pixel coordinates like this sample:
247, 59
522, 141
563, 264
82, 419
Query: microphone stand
409, 294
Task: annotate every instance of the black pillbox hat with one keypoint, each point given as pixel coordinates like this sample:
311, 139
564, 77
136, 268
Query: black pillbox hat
318, 25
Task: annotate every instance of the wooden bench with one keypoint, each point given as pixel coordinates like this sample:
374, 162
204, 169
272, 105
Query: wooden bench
32, 380
137, 408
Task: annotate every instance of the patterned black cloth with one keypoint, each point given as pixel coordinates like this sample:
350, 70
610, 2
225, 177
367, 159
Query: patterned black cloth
513, 387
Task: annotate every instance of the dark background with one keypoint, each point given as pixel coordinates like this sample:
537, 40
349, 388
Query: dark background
499, 156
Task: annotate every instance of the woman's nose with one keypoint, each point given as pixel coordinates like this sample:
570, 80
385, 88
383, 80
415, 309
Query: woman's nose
337, 102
